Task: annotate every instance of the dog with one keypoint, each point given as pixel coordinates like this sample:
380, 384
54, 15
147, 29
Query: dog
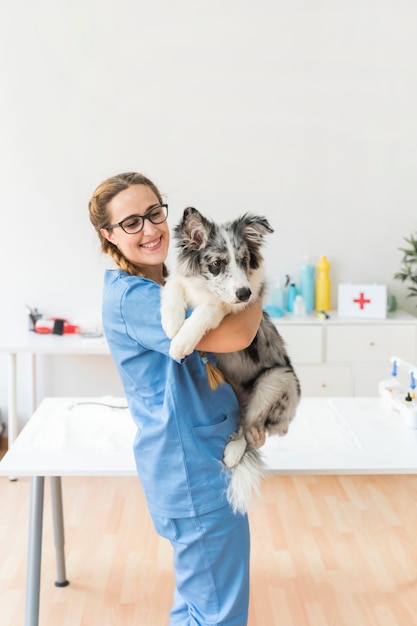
220, 271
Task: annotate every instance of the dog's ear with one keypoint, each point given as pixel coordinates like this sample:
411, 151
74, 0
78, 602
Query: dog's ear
253, 229
194, 229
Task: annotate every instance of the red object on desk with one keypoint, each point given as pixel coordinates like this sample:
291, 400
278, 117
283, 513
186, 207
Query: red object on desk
44, 326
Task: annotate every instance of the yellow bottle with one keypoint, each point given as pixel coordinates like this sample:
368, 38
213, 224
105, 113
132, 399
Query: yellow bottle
323, 285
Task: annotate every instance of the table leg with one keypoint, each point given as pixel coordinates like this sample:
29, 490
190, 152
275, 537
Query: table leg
33, 382
12, 399
58, 524
33, 575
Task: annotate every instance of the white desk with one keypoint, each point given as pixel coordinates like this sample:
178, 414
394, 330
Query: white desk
28, 342
63, 438
66, 439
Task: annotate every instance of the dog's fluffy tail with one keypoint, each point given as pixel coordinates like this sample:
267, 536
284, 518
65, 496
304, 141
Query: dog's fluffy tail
245, 478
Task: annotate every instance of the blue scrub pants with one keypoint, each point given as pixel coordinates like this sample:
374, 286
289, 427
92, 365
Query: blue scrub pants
211, 561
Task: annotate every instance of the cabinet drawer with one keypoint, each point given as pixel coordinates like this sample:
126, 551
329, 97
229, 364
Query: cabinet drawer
304, 343
324, 381
370, 343
366, 378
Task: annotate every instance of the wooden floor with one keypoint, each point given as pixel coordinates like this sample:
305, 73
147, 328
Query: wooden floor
326, 551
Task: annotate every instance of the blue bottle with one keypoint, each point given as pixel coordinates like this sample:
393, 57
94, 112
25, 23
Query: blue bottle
274, 300
292, 294
278, 296
307, 286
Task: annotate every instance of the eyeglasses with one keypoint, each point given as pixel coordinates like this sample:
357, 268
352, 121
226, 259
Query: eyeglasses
134, 223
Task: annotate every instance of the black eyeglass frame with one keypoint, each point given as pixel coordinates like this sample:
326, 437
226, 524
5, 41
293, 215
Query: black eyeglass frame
147, 216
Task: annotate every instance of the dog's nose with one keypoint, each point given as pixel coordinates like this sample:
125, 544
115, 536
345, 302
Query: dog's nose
243, 294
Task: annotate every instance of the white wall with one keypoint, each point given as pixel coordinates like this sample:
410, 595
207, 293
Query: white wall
303, 111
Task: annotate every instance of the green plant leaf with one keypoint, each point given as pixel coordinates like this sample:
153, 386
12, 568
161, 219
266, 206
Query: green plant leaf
408, 271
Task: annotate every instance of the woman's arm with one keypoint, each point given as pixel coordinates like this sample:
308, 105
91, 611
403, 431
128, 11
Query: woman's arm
235, 332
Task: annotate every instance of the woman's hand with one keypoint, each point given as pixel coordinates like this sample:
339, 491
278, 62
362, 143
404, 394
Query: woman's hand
256, 436
235, 332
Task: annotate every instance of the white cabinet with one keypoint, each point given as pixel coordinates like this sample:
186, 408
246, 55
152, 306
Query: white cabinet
325, 380
304, 342
370, 344
347, 357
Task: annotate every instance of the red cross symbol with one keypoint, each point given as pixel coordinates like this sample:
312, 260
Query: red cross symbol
362, 300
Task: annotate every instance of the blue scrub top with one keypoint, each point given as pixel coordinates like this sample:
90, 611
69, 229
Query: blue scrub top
183, 425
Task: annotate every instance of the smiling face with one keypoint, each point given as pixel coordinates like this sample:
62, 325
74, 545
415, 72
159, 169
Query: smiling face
148, 248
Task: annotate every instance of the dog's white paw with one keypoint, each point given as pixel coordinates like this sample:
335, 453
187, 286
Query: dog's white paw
180, 347
234, 451
172, 320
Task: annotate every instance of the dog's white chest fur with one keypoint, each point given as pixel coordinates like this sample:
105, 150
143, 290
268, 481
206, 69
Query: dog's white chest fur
194, 292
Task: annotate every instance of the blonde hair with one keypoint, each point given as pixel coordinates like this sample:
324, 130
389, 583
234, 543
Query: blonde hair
99, 214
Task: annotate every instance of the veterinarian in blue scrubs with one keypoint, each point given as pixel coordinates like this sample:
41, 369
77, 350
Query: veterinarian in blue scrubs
182, 424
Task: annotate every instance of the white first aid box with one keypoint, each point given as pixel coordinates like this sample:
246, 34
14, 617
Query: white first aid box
362, 301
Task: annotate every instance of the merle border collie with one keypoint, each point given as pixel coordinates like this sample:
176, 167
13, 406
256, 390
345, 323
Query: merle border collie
219, 271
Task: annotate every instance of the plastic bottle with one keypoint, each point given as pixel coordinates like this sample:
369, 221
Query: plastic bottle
274, 300
278, 297
299, 307
292, 293
323, 285
307, 286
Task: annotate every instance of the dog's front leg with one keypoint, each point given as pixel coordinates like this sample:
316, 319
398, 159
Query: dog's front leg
203, 318
173, 307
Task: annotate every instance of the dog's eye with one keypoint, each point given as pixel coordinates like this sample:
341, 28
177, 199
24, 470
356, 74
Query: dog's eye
216, 266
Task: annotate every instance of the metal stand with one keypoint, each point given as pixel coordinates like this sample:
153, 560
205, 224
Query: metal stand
58, 523
33, 576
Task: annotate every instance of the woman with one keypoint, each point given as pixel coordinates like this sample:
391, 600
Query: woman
183, 425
